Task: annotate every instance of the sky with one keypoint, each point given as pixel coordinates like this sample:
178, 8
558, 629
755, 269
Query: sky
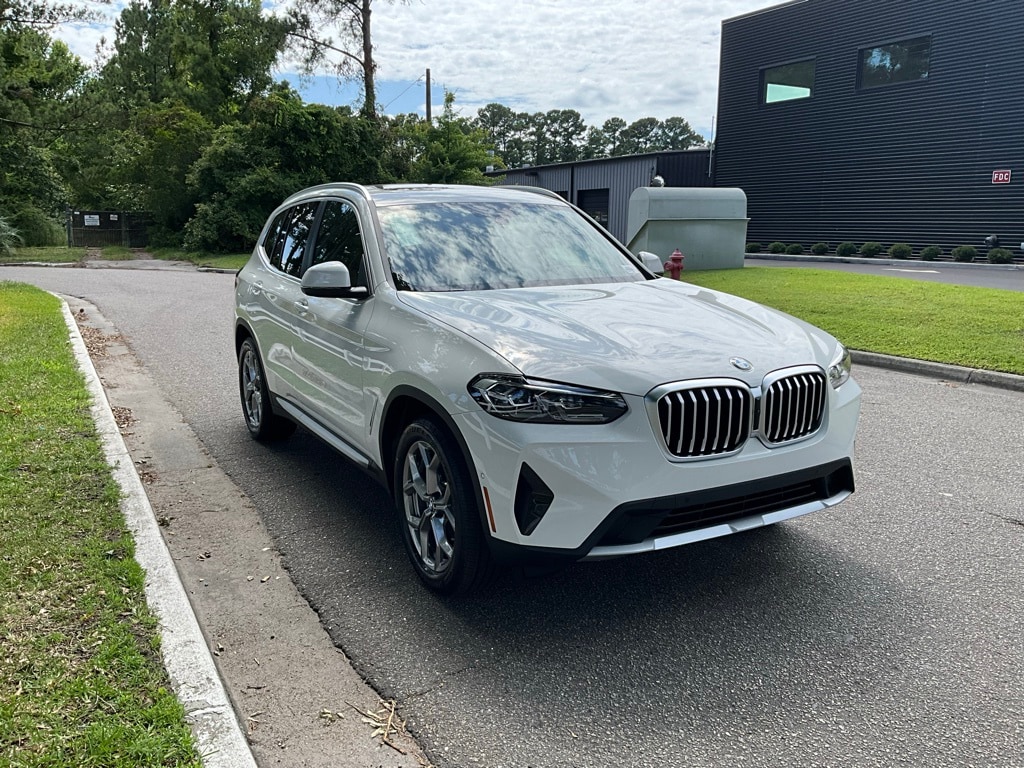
603, 58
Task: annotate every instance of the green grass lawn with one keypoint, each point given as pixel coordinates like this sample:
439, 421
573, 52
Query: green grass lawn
81, 678
52, 254
975, 327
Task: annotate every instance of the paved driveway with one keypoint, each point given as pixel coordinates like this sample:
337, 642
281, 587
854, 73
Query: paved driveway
885, 632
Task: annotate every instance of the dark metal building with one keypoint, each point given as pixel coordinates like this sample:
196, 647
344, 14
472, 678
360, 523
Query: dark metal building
876, 120
602, 187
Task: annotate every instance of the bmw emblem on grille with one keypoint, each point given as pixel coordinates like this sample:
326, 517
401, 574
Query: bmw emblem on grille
739, 362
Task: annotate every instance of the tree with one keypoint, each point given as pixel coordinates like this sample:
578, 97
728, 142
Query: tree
249, 167
40, 83
309, 22
640, 136
42, 15
565, 134
213, 57
506, 130
453, 151
676, 133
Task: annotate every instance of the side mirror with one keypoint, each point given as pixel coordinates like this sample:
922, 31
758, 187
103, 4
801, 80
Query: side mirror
331, 280
652, 262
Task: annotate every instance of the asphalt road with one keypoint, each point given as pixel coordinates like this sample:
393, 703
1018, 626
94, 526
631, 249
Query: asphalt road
930, 271
884, 632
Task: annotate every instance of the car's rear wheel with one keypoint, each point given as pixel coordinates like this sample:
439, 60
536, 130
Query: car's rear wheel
437, 511
263, 423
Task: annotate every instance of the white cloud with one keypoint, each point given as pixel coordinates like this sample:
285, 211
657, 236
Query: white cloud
604, 58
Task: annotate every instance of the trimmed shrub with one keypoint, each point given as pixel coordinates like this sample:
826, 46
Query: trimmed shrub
965, 253
777, 247
930, 253
900, 251
846, 249
753, 247
819, 249
794, 249
1000, 256
870, 249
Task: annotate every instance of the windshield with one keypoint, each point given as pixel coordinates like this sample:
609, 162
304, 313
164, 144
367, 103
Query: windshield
485, 245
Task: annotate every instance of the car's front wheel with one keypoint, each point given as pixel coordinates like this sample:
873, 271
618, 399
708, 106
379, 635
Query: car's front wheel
263, 423
436, 504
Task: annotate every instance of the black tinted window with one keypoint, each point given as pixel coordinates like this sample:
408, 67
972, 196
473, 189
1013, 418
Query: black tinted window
295, 236
902, 62
273, 244
339, 239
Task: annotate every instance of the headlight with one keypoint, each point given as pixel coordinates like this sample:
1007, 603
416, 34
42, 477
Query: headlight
839, 368
540, 402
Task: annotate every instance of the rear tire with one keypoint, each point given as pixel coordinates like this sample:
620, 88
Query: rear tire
437, 510
263, 424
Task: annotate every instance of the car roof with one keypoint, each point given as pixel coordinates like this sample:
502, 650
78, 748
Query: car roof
406, 194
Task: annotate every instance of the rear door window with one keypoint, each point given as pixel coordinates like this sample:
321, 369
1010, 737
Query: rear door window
285, 244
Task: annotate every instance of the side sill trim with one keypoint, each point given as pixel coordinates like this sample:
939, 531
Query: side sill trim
324, 433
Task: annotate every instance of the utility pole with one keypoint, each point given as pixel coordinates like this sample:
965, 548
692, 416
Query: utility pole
428, 95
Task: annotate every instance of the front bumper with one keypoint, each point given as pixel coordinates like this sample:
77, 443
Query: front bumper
611, 490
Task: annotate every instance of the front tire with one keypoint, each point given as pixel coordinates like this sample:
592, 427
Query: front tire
437, 511
263, 424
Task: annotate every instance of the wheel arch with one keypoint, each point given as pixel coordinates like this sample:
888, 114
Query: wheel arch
243, 332
404, 405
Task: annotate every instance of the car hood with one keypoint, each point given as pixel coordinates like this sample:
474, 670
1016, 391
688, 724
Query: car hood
628, 337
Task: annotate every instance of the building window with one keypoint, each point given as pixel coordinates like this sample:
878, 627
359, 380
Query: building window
902, 62
788, 82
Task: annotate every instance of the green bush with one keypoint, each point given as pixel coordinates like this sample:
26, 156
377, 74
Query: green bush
900, 251
794, 249
930, 253
964, 253
38, 229
819, 249
870, 249
1000, 256
753, 247
777, 247
846, 249
9, 237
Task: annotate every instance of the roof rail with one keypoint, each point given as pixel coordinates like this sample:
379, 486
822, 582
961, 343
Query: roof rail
326, 187
535, 190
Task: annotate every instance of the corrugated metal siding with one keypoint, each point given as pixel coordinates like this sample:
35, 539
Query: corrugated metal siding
619, 175
904, 163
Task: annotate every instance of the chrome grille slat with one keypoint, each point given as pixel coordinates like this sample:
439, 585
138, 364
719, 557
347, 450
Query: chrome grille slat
706, 420
712, 417
794, 407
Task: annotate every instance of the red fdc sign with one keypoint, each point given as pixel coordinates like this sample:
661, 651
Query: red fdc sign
1000, 177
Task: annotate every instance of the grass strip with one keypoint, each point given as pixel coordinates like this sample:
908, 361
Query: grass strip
961, 325
81, 679
50, 254
202, 259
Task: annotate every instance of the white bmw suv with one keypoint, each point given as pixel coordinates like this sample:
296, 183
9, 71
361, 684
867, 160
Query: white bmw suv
524, 386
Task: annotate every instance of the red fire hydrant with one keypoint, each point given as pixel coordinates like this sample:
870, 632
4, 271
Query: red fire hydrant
674, 265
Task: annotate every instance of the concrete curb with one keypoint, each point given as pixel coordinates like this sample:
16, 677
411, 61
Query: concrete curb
878, 261
940, 370
219, 737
